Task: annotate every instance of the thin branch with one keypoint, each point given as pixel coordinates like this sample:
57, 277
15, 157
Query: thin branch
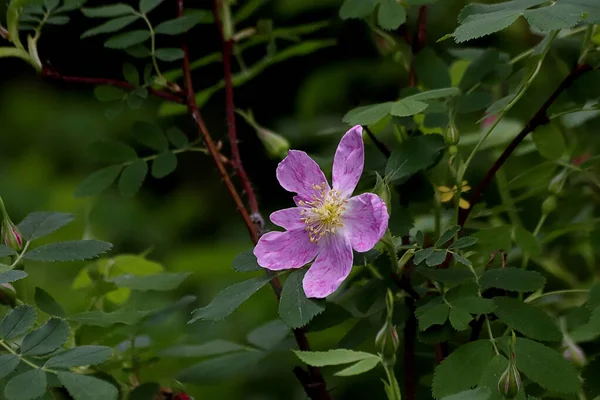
53, 74
417, 43
380, 146
539, 118
227, 44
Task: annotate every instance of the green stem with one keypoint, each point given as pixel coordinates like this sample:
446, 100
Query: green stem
506, 198
394, 393
176, 151
586, 44
388, 242
491, 335
533, 297
23, 359
536, 232
20, 256
152, 45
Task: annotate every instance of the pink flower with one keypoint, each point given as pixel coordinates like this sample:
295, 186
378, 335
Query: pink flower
327, 223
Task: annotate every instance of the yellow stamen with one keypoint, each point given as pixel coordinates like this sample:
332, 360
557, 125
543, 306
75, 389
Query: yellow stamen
323, 213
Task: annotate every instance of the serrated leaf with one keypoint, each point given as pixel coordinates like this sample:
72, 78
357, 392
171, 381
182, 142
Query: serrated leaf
481, 393
83, 387
218, 368
360, 367
430, 315
177, 26
368, 115
526, 319
459, 318
169, 54
40, 224
98, 181
246, 262
114, 10
453, 276
47, 338
17, 322
127, 39
150, 135
357, 8
333, 357
295, 309
69, 251
110, 26
164, 164
6, 251
420, 238
480, 25
109, 93
491, 375
79, 357
421, 255
413, 155
214, 347
177, 138
407, 107
446, 236
148, 5
473, 304
435, 94
125, 316
269, 335
436, 258
391, 14
132, 178
160, 282
513, 279
8, 363
462, 369
229, 299
461, 243
47, 304
555, 17
546, 367
58, 20
29, 385
12, 275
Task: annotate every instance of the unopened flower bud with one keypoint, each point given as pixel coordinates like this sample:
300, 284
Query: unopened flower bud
276, 145
452, 150
549, 205
557, 183
574, 354
11, 235
387, 342
451, 135
509, 384
382, 190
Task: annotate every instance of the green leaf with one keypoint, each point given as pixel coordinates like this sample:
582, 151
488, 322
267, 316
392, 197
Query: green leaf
148, 5
513, 279
12, 275
422, 255
269, 335
246, 262
131, 74
109, 93
133, 177
97, 182
219, 368
491, 375
229, 299
114, 10
357, 8
83, 387
7, 251
462, 369
47, 304
177, 26
453, 276
69, 251
295, 309
127, 316
431, 70
150, 135
447, 235
127, 39
432, 314
546, 367
160, 282
436, 258
17, 322
481, 393
58, 20
591, 383
459, 318
8, 363
555, 17
549, 141
140, 51
435, 94
164, 164
461, 243
40, 224
473, 304
477, 26
527, 319
527, 242
359, 368
110, 26
333, 357
112, 151
29, 385
169, 54
413, 155
211, 348
177, 138
498, 238
47, 338
79, 357
391, 14
407, 107
480, 68
368, 115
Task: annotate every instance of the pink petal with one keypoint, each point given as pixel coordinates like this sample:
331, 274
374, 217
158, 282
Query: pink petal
348, 162
365, 221
332, 266
283, 250
298, 173
288, 218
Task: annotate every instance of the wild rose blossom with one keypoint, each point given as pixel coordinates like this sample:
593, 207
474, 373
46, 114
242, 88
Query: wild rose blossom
327, 223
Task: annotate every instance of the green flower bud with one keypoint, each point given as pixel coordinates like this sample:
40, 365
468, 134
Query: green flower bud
387, 342
557, 183
574, 354
382, 190
452, 150
276, 145
549, 205
451, 136
509, 384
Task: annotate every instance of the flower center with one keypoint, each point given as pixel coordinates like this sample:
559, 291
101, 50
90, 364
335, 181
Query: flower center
323, 214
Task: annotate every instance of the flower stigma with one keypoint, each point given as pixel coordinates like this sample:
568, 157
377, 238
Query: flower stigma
323, 214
